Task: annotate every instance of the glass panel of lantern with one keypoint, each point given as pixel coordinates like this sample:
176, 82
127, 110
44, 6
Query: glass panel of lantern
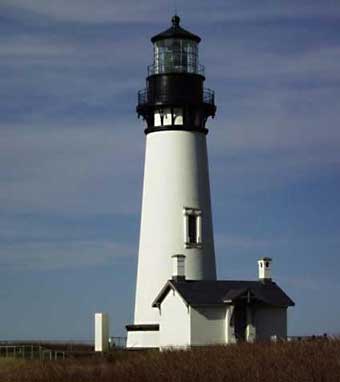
175, 55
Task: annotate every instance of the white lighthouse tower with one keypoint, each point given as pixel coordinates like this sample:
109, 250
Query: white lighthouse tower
176, 209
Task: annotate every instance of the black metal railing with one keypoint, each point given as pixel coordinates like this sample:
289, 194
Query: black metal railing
208, 96
144, 97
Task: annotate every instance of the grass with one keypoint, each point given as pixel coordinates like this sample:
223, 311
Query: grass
10, 365
305, 361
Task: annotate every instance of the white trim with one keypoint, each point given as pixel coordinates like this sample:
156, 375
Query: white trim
186, 228
199, 229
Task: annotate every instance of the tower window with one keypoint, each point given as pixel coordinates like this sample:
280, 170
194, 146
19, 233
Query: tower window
167, 120
192, 227
178, 116
158, 119
168, 117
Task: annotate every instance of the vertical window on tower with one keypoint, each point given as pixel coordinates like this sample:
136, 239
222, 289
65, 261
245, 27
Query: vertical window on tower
178, 116
167, 119
192, 228
158, 118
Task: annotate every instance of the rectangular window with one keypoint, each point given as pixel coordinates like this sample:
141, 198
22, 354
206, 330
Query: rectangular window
192, 227
167, 119
178, 116
158, 119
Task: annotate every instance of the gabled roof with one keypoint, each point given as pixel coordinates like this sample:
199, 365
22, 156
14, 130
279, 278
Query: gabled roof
175, 31
204, 292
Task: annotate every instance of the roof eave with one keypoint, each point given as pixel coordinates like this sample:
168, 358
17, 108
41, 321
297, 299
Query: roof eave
170, 284
179, 36
162, 294
175, 32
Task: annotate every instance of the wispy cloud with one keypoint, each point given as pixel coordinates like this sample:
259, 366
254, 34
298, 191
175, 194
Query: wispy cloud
70, 170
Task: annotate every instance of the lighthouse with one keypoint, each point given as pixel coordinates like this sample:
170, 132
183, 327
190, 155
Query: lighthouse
176, 218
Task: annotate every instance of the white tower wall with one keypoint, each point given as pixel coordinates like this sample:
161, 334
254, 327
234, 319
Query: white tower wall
176, 178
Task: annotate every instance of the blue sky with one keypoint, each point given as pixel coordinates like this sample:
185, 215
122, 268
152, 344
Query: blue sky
72, 152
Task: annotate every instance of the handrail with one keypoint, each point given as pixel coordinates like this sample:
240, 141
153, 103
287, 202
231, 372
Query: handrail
173, 68
144, 97
208, 96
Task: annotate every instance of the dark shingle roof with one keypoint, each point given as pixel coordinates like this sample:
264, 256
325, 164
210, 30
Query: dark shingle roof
220, 292
175, 31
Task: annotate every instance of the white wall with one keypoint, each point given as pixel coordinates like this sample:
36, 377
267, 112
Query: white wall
181, 327
175, 176
207, 325
229, 327
143, 339
270, 321
101, 330
174, 322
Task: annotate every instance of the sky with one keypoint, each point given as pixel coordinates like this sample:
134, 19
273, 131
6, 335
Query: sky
72, 154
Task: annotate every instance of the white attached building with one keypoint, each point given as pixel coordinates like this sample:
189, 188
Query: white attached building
203, 312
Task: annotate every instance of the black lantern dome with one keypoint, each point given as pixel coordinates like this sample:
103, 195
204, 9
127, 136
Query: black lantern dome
174, 97
175, 32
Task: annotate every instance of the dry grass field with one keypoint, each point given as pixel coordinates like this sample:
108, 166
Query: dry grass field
305, 361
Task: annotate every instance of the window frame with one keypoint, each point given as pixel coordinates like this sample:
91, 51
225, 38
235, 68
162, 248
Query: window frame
168, 117
197, 214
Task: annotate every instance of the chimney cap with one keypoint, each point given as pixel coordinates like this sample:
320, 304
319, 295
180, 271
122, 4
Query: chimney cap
178, 256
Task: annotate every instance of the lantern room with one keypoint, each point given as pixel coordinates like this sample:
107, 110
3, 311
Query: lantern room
175, 51
174, 97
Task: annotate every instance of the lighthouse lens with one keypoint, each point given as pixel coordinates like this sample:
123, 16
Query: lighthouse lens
175, 55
